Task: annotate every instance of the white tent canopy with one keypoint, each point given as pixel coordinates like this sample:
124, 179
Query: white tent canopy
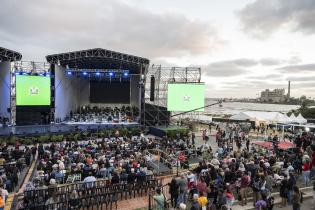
301, 119
268, 117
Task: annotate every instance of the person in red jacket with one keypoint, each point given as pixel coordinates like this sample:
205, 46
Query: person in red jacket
306, 172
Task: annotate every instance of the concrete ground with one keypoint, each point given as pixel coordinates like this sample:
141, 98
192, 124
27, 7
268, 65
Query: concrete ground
308, 204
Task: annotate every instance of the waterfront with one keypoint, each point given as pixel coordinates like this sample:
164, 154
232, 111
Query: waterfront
230, 108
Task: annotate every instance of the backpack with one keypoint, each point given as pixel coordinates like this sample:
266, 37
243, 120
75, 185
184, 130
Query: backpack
256, 186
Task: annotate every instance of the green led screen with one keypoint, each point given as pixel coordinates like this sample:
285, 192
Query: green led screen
183, 97
32, 90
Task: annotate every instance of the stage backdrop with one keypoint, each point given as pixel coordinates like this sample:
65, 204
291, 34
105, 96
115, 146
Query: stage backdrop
72, 92
110, 92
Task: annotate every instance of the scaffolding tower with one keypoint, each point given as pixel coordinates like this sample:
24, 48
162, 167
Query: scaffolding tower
157, 115
23, 67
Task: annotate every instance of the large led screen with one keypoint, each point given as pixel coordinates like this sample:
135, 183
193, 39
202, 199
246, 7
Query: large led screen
183, 97
110, 92
32, 90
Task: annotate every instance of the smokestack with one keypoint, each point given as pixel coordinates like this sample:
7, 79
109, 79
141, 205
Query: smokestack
289, 90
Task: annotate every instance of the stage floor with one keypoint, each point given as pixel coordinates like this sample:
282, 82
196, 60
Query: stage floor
61, 127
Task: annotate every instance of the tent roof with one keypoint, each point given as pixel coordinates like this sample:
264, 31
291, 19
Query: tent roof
259, 116
268, 145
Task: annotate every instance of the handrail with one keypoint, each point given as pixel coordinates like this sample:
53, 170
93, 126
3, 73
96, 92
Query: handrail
39, 196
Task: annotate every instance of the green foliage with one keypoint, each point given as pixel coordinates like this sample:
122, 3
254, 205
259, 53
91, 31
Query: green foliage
171, 133
76, 136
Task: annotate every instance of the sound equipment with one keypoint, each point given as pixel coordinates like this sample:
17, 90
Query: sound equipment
152, 87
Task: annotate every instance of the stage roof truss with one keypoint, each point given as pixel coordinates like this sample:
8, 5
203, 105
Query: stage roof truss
99, 59
9, 55
31, 67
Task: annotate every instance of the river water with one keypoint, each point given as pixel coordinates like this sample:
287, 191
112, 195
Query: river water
230, 108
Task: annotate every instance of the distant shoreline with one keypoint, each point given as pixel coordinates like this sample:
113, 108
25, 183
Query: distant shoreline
255, 102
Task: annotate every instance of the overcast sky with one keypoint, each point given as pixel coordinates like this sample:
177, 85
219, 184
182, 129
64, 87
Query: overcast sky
243, 46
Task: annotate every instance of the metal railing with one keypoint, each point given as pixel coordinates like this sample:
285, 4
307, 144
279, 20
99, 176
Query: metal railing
98, 190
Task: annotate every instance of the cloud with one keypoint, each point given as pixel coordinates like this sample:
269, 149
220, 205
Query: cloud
270, 61
301, 79
58, 26
298, 68
267, 76
228, 68
262, 17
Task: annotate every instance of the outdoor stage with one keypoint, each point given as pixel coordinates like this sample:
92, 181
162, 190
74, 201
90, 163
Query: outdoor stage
61, 128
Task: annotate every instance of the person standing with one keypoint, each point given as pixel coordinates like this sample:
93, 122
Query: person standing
195, 204
296, 199
159, 199
174, 191
183, 187
247, 144
203, 201
193, 136
245, 181
291, 185
306, 172
284, 191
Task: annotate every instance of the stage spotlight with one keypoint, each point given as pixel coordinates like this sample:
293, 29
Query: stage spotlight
98, 74
111, 74
126, 74
85, 73
69, 73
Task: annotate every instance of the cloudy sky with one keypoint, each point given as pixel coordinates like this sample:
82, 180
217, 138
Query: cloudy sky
243, 46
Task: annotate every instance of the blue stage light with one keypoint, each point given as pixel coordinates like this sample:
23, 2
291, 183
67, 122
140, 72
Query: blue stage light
40, 74
24, 73
69, 73
98, 74
47, 74
126, 74
85, 73
111, 74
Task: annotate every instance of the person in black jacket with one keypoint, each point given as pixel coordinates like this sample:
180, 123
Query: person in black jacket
284, 191
173, 190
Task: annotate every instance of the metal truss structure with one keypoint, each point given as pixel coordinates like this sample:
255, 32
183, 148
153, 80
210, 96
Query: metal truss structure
98, 58
9, 55
30, 68
163, 76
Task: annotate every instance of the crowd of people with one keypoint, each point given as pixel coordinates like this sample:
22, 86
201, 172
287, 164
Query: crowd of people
230, 173
118, 159
13, 160
227, 175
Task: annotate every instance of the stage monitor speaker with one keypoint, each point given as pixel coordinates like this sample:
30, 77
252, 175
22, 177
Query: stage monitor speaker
152, 87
